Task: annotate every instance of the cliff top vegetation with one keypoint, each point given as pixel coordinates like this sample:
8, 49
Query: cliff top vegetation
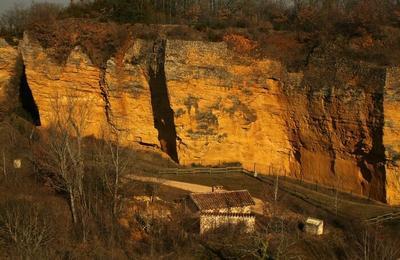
366, 30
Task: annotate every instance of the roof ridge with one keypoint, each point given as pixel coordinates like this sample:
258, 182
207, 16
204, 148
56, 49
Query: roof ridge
219, 191
223, 199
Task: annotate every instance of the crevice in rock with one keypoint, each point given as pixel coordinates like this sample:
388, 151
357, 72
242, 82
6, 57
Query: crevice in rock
163, 114
28, 102
180, 142
149, 145
140, 141
105, 96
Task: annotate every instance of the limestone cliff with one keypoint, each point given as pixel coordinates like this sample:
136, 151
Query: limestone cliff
227, 108
324, 124
118, 94
391, 135
336, 126
10, 64
334, 123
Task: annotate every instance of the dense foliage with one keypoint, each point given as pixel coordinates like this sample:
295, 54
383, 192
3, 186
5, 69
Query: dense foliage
365, 30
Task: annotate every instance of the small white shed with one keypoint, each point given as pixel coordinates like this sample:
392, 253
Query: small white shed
17, 163
314, 226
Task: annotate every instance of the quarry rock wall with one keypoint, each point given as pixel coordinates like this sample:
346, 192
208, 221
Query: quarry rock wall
10, 69
334, 123
391, 135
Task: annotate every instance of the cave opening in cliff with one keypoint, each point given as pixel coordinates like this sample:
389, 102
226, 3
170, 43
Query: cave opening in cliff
162, 112
28, 102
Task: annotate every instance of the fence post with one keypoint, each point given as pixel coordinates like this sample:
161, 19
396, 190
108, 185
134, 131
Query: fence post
276, 188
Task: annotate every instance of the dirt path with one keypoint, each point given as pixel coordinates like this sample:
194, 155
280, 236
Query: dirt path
258, 208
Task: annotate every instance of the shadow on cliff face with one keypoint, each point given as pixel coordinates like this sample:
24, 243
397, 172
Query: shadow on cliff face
162, 112
27, 100
372, 164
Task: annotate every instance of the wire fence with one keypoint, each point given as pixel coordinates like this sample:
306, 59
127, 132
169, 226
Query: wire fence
200, 170
384, 218
294, 187
337, 189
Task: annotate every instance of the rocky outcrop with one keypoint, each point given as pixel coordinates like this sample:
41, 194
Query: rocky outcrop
227, 108
10, 69
118, 94
391, 135
324, 124
334, 123
336, 126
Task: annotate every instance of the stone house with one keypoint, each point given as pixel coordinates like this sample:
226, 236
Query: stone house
219, 208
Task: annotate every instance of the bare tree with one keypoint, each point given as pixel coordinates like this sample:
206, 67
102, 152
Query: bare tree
108, 164
11, 142
25, 228
373, 243
276, 188
113, 158
62, 153
14, 21
4, 164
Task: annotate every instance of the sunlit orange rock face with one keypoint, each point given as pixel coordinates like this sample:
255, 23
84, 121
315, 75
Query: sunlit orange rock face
324, 124
118, 95
334, 123
9, 73
391, 135
337, 122
227, 108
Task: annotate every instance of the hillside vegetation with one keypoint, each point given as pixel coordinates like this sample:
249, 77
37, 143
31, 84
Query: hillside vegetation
366, 30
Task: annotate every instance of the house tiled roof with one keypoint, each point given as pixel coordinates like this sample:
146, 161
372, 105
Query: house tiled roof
222, 199
219, 214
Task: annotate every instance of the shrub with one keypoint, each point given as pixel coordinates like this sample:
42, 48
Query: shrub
239, 43
16, 20
99, 40
190, 102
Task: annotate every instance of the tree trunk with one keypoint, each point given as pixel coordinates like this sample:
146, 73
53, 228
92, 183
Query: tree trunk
4, 165
115, 195
116, 180
276, 188
72, 205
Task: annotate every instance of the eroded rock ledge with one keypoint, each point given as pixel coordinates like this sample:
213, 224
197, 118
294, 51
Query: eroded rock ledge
335, 123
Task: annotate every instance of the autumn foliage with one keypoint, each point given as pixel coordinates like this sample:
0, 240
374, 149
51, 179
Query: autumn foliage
367, 30
239, 43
